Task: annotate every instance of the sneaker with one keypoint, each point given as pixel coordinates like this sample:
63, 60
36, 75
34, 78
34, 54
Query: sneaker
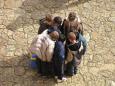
64, 79
61, 80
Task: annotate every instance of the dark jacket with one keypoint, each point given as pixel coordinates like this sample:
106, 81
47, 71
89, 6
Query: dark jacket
59, 51
43, 25
73, 26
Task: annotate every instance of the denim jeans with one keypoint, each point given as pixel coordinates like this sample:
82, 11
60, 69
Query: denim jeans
71, 67
83, 40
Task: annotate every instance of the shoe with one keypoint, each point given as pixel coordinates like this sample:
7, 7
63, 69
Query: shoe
62, 80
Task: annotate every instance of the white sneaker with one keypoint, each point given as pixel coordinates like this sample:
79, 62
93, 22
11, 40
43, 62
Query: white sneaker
64, 79
61, 80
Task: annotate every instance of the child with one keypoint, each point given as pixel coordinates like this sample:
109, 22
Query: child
74, 47
58, 60
74, 24
45, 23
43, 47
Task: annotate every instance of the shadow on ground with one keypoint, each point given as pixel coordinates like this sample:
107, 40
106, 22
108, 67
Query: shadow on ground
17, 71
32, 10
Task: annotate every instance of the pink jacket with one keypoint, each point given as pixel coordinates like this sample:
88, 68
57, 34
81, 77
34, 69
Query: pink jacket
43, 46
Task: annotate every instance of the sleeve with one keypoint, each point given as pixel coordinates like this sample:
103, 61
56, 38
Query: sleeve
80, 25
49, 49
63, 27
80, 28
44, 47
35, 46
66, 28
32, 45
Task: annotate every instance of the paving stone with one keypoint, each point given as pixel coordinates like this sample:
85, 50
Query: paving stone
10, 47
19, 71
87, 5
3, 50
11, 42
2, 26
112, 19
9, 3
1, 3
7, 75
6, 83
10, 53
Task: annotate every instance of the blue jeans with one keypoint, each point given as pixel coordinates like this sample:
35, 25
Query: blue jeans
83, 40
71, 67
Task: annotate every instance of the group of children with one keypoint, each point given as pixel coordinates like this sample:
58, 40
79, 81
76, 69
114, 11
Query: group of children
59, 46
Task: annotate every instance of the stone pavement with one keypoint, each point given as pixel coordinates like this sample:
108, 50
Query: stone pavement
19, 24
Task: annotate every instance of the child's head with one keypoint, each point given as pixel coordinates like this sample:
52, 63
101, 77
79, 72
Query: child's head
53, 34
72, 16
71, 36
57, 20
48, 19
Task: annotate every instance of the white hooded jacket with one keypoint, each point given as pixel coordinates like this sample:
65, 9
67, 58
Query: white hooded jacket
43, 46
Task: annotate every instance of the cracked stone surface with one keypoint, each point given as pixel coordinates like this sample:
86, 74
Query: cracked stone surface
19, 25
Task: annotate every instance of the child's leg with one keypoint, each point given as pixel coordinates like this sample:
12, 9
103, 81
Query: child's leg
58, 65
55, 67
38, 61
75, 70
75, 65
49, 69
70, 68
60, 72
60, 69
83, 40
44, 68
